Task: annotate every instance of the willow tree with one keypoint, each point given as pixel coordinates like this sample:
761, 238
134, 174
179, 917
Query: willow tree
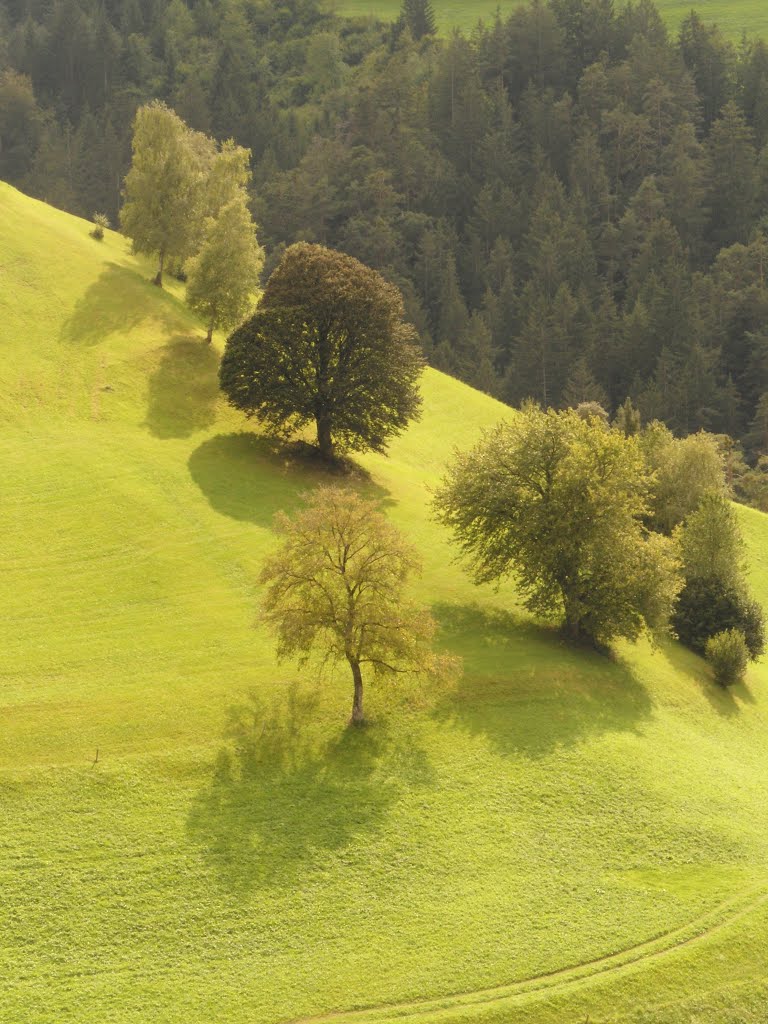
336, 588
328, 345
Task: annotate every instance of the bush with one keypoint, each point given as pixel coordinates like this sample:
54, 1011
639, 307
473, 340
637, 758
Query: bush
727, 653
101, 222
708, 606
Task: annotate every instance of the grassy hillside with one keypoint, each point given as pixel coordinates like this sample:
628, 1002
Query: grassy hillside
733, 16
558, 836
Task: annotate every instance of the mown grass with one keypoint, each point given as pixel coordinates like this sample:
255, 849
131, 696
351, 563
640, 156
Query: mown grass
237, 854
733, 16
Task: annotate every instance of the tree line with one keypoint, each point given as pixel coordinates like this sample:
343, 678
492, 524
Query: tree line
571, 199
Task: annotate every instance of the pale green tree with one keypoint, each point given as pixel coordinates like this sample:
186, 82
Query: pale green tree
336, 588
163, 188
558, 502
222, 277
728, 654
229, 172
684, 471
710, 541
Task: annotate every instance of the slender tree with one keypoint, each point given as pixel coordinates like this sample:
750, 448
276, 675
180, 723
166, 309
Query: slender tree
335, 587
328, 344
223, 276
716, 594
163, 188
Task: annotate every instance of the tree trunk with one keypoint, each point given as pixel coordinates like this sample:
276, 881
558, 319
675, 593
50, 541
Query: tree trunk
357, 703
159, 275
324, 439
573, 627
209, 335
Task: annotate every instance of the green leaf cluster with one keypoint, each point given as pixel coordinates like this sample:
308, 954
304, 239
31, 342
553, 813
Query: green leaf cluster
728, 655
186, 202
559, 502
715, 597
328, 344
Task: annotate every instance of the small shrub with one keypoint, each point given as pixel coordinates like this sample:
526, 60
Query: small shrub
727, 653
101, 222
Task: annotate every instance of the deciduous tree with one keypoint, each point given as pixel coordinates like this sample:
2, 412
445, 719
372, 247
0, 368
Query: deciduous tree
557, 501
328, 344
336, 588
684, 471
716, 595
223, 276
163, 188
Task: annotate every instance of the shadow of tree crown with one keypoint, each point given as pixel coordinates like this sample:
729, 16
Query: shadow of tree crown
511, 661
250, 476
284, 795
118, 301
183, 392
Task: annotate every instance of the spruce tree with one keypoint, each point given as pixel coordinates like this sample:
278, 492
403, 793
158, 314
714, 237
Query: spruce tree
419, 17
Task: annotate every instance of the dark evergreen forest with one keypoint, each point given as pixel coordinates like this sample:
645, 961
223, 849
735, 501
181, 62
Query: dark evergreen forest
572, 200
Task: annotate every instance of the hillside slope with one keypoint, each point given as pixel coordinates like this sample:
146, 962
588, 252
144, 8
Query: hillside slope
734, 17
559, 836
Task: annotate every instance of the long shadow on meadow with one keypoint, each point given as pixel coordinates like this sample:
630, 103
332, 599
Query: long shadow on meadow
183, 389
526, 690
287, 792
246, 476
116, 302
250, 477
725, 700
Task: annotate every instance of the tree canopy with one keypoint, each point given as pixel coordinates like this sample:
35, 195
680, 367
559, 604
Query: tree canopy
163, 186
558, 501
222, 277
328, 344
336, 587
715, 597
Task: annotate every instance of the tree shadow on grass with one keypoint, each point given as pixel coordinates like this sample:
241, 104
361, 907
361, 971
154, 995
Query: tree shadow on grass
184, 389
526, 690
251, 477
116, 302
725, 700
286, 793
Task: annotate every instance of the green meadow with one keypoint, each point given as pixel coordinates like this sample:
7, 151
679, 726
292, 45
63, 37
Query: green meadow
554, 837
733, 16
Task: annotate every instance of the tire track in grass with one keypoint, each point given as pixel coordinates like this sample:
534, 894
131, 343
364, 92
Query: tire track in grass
725, 914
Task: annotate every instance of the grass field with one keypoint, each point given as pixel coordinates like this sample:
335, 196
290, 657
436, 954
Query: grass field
733, 16
558, 836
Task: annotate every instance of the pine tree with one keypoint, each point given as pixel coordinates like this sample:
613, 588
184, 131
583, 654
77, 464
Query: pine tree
419, 17
757, 438
628, 419
581, 386
734, 176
